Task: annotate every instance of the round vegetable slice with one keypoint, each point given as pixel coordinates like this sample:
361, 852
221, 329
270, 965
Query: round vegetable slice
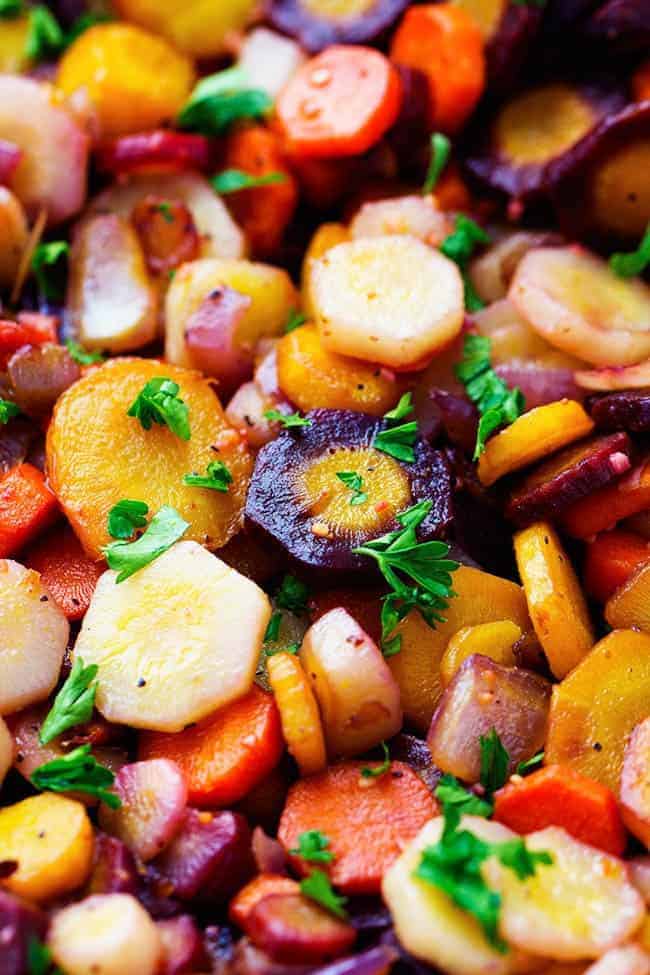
97, 455
575, 301
297, 500
340, 103
391, 300
301, 723
318, 23
535, 128
175, 641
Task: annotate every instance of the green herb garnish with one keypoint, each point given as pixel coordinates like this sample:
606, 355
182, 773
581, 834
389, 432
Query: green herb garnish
530, 764
376, 771
78, 771
39, 956
216, 478
440, 150
73, 704
273, 629
354, 482
459, 248
165, 528
8, 410
10, 9
45, 39
84, 23
403, 409
291, 648
318, 888
497, 404
46, 267
295, 320
125, 516
454, 863
450, 793
312, 846
234, 180
79, 354
288, 421
165, 210
292, 595
494, 763
398, 441
221, 99
419, 573
159, 402
634, 262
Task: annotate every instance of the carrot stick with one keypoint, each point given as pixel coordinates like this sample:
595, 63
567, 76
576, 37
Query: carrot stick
340, 103
558, 796
27, 507
65, 569
610, 561
367, 821
261, 886
443, 42
601, 510
301, 723
263, 212
227, 754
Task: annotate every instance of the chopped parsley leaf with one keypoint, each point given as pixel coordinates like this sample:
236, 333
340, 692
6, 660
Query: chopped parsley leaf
630, 264
312, 846
494, 763
158, 402
497, 404
47, 269
292, 595
288, 421
217, 477
77, 771
234, 180
8, 410
73, 704
221, 99
376, 771
318, 888
125, 516
79, 354
354, 482
440, 150
165, 528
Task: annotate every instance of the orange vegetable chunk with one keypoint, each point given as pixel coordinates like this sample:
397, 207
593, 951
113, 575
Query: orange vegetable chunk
611, 560
629, 606
65, 569
604, 508
27, 507
635, 783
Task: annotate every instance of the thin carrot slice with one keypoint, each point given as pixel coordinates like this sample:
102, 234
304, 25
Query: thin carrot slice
611, 560
444, 42
367, 821
602, 509
27, 507
301, 723
226, 755
559, 796
68, 574
259, 887
339, 103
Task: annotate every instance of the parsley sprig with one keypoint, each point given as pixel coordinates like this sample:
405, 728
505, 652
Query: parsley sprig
292, 595
39, 956
453, 864
78, 771
494, 762
530, 764
125, 516
317, 886
8, 410
313, 847
165, 528
419, 574
628, 265
234, 180
398, 441
376, 771
217, 477
73, 704
497, 403
459, 247
80, 355
440, 150
354, 482
294, 321
158, 402
48, 268
288, 421
221, 99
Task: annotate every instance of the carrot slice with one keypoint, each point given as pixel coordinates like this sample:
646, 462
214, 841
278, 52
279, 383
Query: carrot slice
559, 796
604, 508
65, 570
263, 212
226, 755
27, 507
444, 42
259, 887
611, 560
367, 821
339, 103
299, 714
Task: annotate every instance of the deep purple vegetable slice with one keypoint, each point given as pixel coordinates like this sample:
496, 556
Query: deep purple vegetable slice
619, 26
20, 923
361, 23
629, 410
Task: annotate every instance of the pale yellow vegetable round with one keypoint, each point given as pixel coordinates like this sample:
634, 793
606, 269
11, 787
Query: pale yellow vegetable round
578, 907
428, 924
391, 300
7, 749
576, 302
626, 960
51, 838
493, 640
175, 641
33, 638
358, 696
106, 934
418, 216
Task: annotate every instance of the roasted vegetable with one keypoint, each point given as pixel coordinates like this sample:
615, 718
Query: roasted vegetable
587, 730
598, 189
296, 499
568, 476
294, 929
627, 608
201, 31
117, 458
635, 783
318, 23
536, 128
494, 640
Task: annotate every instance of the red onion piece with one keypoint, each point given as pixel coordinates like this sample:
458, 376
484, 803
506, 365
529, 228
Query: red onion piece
114, 870
539, 384
39, 374
268, 853
182, 945
162, 150
20, 923
210, 335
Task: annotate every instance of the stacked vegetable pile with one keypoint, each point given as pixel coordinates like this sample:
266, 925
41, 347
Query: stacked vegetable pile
325, 487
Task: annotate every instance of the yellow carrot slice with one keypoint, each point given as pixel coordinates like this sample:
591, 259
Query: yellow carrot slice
299, 714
